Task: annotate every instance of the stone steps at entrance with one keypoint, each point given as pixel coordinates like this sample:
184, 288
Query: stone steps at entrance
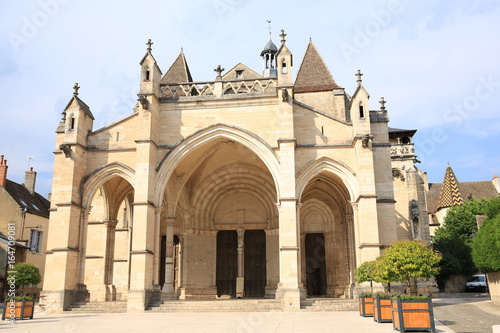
329, 304
226, 305
231, 305
99, 307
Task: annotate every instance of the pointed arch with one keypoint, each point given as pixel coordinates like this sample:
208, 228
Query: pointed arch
325, 164
98, 177
210, 134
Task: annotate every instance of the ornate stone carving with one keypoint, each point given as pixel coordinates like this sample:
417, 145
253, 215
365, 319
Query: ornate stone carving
396, 173
144, 101
284, 95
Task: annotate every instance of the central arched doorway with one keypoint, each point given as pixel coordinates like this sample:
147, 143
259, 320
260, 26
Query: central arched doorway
220, 202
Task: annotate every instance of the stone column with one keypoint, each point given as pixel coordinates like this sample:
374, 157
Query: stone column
288, 287
168, 287
241, 252
82, 288
109, 259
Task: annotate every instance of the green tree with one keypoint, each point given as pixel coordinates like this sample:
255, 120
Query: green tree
405, 260
486, 244
25, 275
366, 273
454, 239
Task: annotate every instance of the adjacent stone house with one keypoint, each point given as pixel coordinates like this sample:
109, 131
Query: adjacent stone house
24, 214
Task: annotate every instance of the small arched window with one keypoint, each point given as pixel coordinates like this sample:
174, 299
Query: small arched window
361, 110
146, 73
72, 122
284, 68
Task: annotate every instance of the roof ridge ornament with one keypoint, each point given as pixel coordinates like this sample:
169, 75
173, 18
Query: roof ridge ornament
75, 88
149, 43
269, 28
382, 103
219, 71
359, 75
283, 35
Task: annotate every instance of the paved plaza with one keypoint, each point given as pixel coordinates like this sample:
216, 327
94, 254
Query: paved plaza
471, 315
220, 322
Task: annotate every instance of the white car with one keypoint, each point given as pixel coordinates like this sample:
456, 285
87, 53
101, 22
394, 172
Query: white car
477, 283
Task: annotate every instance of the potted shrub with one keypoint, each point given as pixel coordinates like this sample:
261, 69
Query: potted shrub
18, 307
364, 273
382, 311
366, 304
412, 313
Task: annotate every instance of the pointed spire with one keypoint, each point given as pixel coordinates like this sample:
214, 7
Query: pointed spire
313, 74
450, 193
179, 71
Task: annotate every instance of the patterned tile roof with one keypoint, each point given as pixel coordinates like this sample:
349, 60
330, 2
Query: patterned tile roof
450, 193
313, 74
178, 72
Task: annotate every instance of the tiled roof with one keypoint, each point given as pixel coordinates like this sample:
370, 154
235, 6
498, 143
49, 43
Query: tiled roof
469, 190
35, 203
313, 74
178, 72
450, 193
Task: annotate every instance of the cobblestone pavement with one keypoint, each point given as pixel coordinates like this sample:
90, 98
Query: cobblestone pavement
468, 314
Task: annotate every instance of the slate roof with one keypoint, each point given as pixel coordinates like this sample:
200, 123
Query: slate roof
35, 203
178, 72
313, 74
81, 105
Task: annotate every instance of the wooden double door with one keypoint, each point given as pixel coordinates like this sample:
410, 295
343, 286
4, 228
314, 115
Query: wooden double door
254, 258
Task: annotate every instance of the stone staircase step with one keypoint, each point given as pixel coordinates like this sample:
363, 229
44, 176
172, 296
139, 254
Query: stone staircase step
216, 306
99, 307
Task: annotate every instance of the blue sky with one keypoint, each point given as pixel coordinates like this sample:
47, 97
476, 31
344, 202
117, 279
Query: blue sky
436, 63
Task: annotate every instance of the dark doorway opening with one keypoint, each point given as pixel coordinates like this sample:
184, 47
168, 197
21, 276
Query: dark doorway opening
315, 265
255, 263
227, 262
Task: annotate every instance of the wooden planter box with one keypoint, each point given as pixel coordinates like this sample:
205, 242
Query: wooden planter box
382, 310
413, 315
366, 306
22, 310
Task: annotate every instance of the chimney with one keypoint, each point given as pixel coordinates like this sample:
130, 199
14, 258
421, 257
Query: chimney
29, 180
3, 171
496, 183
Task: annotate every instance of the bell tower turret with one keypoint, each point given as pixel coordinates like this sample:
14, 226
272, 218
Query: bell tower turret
269, 58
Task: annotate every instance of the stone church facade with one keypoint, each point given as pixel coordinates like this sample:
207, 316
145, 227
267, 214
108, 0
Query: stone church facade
284, 186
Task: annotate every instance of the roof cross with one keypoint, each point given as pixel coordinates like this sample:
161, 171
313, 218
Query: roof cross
359, 75
219, 70
382, 103
283, 35
149, 43
75, 88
